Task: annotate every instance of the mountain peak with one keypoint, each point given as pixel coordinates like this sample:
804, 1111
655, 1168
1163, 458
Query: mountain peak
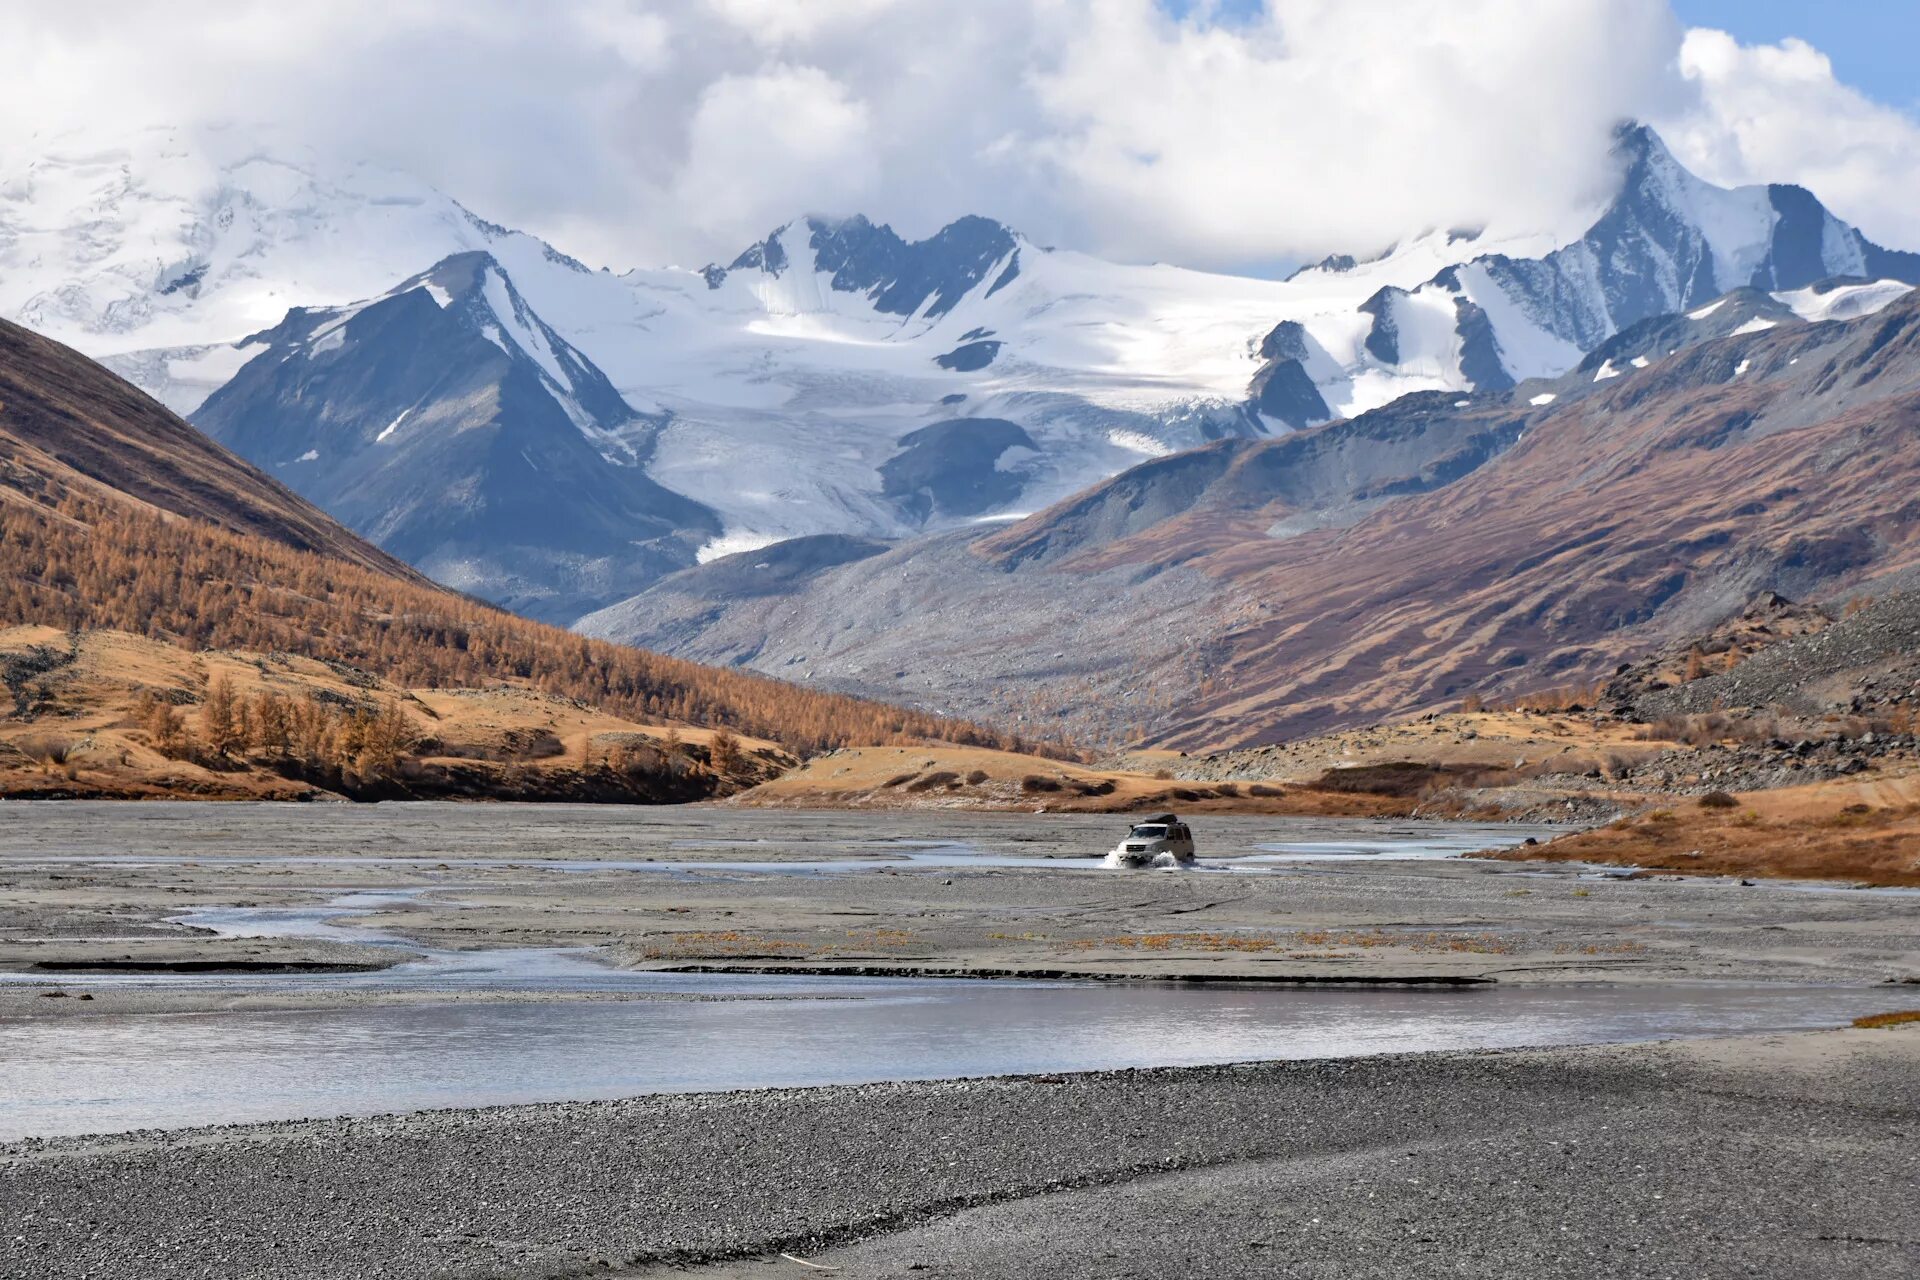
455, 275
901, 277
1636, 141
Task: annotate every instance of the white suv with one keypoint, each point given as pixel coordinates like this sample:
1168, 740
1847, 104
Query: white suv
1164, 841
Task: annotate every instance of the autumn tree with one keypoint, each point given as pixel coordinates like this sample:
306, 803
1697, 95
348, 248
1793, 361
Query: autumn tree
221, 727
311, 729
384, 738
77, 560
269, 724
161, 721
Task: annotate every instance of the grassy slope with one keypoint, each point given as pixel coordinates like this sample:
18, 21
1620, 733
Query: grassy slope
1867, 832
80, 735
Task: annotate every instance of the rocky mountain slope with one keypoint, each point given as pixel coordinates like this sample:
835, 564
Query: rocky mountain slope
835, 378
449, 423
1438, 547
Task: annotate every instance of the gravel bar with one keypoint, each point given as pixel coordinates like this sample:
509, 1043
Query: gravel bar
1778, 1156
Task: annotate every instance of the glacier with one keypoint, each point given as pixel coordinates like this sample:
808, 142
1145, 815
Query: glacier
774, 397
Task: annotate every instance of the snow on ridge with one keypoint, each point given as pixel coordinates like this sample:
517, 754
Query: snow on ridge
733, 543
1097, 360
1843, 302
1737, 223
1138, 442
522, 329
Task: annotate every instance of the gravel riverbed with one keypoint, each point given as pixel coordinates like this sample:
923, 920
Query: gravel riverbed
1780, 1156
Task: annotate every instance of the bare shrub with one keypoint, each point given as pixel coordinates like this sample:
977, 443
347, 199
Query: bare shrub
1403, 779
49, 753
938, 778
1035, 782
1718, 800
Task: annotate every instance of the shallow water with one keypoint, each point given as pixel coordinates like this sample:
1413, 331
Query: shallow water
687, 1032
674, 1032
111, 1074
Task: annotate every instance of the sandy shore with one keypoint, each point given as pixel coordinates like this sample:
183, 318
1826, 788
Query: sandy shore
1786, 1156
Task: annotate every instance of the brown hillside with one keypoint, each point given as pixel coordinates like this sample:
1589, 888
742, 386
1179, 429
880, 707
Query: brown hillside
66, 421
114, 514
110, 715
1638, 512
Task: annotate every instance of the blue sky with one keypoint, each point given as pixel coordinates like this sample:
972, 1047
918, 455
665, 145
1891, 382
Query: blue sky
1871, 42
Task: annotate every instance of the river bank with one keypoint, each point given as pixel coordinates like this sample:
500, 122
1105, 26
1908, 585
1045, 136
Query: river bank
1777, 1156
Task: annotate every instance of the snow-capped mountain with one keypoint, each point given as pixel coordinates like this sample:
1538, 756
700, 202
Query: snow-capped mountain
448, 422
164, 242
835, 378
1667, 243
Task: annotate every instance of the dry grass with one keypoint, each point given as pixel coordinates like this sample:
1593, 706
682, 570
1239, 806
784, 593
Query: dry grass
1402, 779
1899, 1018
1825, 832
975, 777
94, 726
1300, 944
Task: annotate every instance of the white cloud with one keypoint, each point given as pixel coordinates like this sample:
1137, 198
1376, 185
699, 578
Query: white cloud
777, 22
756, 138
647, 131
1775, 113
1330, 124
